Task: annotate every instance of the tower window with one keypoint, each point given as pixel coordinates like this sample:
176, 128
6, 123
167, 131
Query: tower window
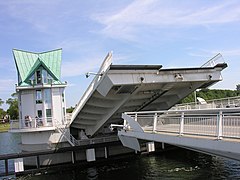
38, 96
48, 112
39, 77
47, 95
45, 76
49, 115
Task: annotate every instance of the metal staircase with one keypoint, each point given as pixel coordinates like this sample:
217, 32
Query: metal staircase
66, 134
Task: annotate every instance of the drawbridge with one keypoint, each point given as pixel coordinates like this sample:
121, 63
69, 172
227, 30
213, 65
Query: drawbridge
116, 89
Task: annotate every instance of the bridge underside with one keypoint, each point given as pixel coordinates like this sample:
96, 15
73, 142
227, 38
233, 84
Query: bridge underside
122, 88
212, 146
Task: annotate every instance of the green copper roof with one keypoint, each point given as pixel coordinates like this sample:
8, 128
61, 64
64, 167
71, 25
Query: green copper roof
28, 62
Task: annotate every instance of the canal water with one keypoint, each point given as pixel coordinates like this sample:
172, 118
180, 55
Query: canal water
175, 164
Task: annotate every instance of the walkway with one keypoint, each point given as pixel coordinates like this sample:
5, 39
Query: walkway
209, 131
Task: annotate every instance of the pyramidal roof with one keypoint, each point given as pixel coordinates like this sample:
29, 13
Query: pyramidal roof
28, 62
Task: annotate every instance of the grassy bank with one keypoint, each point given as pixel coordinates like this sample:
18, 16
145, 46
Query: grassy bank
4, 127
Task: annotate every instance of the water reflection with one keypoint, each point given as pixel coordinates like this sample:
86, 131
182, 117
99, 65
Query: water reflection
9, 144
178, 164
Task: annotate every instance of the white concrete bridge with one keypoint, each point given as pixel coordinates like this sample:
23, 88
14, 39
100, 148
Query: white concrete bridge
211, 131
121, 88
212, 128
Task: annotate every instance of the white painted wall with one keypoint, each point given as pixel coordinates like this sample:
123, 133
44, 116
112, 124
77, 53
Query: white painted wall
42, 137
29, 107
57, 104
28, 103
36, 137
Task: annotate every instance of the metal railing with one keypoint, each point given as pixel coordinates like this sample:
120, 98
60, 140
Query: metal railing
30, 124
220, 125
214, 61
74, 142
97, 140
64, 130
38, 123
230, 102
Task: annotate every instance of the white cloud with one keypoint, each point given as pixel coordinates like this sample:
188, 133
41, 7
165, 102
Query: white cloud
129, 21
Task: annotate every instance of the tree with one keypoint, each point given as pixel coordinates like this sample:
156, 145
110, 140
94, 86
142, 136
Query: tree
2, 112
209, 94
13, 107
1, 102
70, 110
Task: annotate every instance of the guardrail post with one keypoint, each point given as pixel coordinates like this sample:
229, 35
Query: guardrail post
124, 124
73, 157
181, 124
136, 117
155, 122
6, 167
219, 126
38, 161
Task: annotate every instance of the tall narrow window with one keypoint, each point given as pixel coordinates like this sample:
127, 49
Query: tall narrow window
47, 96
50, 79
39, 113
62, 97
49, 115
48, 112
39, 77
45, 76
38, 96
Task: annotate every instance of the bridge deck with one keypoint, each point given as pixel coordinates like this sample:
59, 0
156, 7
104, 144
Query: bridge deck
217, 134
121, 88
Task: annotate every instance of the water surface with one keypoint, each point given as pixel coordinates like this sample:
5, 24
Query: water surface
177, 164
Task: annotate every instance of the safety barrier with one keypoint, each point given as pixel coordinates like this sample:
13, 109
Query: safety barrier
217, 125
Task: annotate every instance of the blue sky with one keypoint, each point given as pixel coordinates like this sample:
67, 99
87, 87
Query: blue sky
172, 33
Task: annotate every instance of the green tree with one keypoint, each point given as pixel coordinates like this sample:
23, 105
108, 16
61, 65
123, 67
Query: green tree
13, 106
209, 94
1, 102
70, 110
2, 112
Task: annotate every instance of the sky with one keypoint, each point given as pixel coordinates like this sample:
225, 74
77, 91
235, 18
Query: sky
171, 33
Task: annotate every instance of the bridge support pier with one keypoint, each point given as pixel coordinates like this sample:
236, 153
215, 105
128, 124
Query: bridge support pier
18, 165
90, 155
150, 147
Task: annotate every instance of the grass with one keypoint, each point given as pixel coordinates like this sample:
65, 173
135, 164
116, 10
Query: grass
4, 127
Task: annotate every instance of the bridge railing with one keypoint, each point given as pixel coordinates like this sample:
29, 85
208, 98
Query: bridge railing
231, 125
31, 124
214, 61
97, 140
217, 125
229, 102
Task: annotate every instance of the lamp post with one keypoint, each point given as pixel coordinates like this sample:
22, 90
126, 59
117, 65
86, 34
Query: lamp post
92, 73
